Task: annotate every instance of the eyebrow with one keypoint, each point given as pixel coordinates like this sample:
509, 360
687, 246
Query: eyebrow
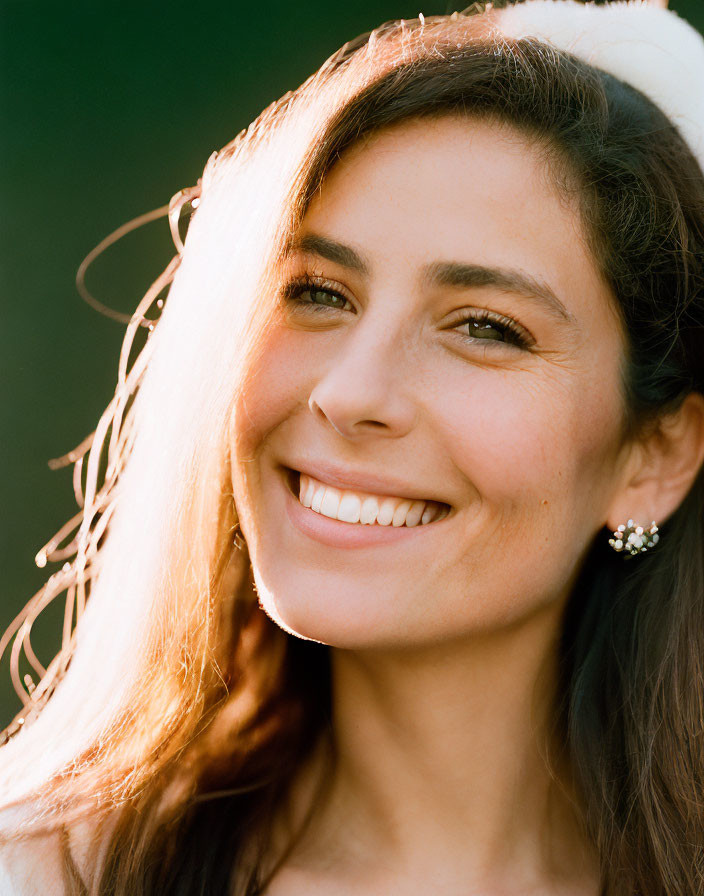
441, 273
313, 244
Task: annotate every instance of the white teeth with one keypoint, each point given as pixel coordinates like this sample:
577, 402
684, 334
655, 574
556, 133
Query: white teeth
309, 490
318, 496
352, 507
370, 508
330, 503
386, 511
349, 509
399, 517
413, 517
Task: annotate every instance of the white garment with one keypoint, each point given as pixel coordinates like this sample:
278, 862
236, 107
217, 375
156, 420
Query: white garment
651, 48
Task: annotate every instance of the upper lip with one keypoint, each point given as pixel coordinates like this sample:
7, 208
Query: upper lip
344, 477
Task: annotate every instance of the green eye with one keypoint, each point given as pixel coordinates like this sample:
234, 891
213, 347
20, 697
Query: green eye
479, 330
485, 326
319, 297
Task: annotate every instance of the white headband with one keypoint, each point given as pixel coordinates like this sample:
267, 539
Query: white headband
648, 47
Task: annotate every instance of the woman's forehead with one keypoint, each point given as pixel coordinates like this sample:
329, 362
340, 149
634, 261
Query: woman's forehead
447, 182
453, 190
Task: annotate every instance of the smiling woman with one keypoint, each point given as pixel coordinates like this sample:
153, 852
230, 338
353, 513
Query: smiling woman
435, 334
371, 368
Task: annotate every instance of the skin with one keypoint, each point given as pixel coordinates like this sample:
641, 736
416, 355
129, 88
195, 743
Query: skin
444, 645
523, 443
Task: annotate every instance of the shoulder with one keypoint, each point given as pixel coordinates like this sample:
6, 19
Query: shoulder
32, 867
38, 865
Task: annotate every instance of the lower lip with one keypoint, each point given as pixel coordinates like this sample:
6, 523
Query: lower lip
338, 534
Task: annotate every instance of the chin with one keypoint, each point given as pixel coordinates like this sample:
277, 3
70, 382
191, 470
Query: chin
268, 603
336, 623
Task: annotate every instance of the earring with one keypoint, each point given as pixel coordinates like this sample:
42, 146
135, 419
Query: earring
634, 539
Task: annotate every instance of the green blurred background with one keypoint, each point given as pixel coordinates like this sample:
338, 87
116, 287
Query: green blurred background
108, 108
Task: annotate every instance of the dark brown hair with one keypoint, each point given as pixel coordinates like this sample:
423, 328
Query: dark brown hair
631, 710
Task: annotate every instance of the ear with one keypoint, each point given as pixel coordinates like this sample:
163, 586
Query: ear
661, 467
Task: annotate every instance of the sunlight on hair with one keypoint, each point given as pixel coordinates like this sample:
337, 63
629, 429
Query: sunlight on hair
141, 556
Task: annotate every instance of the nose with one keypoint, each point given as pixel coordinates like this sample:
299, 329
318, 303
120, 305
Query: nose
367, 384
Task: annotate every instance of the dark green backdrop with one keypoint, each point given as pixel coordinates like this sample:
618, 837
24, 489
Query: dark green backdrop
108, 108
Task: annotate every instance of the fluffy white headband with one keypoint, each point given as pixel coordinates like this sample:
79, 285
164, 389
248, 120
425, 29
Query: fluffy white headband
641, 43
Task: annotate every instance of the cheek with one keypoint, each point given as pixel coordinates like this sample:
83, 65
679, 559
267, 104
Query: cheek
273, 389
527, 451
267, 395
537, 448
539, 454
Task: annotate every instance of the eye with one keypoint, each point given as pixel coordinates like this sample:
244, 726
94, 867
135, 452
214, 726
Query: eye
486, 326
313, 294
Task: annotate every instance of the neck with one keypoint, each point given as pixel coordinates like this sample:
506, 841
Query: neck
440, 764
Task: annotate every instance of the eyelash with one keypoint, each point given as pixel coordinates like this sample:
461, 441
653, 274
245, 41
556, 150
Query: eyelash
513, 334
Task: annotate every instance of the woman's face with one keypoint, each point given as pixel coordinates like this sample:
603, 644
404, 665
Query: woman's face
374, 379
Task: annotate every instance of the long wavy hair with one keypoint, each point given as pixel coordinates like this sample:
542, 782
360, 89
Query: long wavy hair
177, 714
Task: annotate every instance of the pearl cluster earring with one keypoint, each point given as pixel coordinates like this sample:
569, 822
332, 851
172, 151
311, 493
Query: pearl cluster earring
634, 539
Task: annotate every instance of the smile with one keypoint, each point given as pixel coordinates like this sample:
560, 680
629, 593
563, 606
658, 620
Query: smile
337, 533
352, 506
